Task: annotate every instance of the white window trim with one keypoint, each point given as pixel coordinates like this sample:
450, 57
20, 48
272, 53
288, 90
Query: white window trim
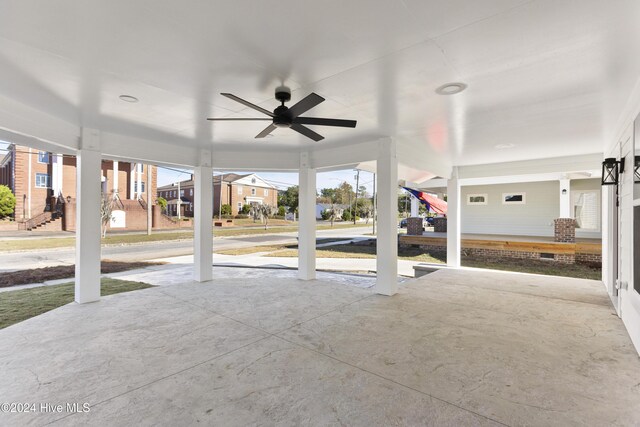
48, 157
514, 193
239, 189
253, 191
48, 181
486, 199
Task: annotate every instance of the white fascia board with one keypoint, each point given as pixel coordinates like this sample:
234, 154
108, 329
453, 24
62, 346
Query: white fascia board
35, 127
256, 160
341, 157
35, 143
568, 164
130, 149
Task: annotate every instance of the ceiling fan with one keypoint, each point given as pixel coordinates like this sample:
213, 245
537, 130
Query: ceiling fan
285, 117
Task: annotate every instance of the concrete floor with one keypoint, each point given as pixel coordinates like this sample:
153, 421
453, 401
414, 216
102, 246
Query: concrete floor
456, 347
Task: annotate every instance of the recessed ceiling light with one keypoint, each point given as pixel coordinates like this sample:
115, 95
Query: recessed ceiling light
504, 146
451, 88
128, 98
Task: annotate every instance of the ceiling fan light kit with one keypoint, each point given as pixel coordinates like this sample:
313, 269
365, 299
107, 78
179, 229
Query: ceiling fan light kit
285, 117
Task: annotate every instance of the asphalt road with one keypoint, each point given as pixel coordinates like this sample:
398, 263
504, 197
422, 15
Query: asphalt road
11, 261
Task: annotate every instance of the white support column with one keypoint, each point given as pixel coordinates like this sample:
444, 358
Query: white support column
115, 177
565, 198
54, 175
203, 215
139, 185
414, 206
149, 200
453, 220
88, 178
307, 220
132, 180
60, 164
387, 242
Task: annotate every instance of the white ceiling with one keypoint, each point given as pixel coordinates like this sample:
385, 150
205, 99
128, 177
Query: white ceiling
549, 78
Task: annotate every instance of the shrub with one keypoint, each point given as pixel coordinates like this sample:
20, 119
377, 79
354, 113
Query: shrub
7, 201
241, 216
162, 202
245, 210
225, 210
326, 214
346, 216
281, 211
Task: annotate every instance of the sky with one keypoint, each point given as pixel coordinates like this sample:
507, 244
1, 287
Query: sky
280, 180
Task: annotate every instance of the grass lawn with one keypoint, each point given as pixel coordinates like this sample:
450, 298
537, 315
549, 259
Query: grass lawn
123, 239
16, 306
270, 248
39, 275
582, 271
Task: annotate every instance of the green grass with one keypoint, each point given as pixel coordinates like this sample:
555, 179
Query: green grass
19, 305
124, 239
549, 268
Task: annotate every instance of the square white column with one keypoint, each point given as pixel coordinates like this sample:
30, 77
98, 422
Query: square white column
132, 181
88, 175
307, 220
565, 198
453, 220
203, 228
415, 203
115, 177
60, 164
387, 241
139, 184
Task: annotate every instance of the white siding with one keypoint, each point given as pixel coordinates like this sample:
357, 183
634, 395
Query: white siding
534, 218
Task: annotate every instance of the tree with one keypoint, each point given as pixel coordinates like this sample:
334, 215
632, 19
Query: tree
363, 209
7, 201
362, 192
225, 209
346, 215
290, 198
345, 194
262, 212
281, 211
106, 212
162, 202
245, 209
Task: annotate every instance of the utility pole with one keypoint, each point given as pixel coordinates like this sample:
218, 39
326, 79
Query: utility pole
355, 204
374, 204
149, 204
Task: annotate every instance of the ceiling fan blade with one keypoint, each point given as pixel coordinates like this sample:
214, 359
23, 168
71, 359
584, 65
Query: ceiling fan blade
325, 122
305, 104
266, 131
307, 132
238, 118
248, 104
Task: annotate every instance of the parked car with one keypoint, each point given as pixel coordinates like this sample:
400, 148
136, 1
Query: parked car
403, 223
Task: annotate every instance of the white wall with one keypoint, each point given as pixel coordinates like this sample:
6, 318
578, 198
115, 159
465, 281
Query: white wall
534, 218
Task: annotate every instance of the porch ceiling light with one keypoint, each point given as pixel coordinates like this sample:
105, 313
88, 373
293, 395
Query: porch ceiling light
451, 88
636, 169
611, 170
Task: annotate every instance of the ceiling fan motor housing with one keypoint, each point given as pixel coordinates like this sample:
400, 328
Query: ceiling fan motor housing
282, 118
283, 94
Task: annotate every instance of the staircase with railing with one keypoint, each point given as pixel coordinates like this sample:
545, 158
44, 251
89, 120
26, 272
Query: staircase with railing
56, 211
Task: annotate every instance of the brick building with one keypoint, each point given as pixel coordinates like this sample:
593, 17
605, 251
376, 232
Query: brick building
37, 178
237, 191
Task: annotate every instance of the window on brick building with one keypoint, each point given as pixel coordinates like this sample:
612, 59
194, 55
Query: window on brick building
239, 189
191, 192
43, 157
135, 187
266, 192
239, 206
42, 180
253, 191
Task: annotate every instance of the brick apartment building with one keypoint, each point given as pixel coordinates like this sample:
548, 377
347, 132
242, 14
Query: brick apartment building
237, 191
38, 178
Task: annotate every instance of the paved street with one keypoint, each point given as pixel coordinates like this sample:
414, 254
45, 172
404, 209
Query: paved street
11, 261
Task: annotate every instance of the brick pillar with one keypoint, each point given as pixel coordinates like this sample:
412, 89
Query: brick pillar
564, 231
69, 217
414, 226
440, 225
156, 213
